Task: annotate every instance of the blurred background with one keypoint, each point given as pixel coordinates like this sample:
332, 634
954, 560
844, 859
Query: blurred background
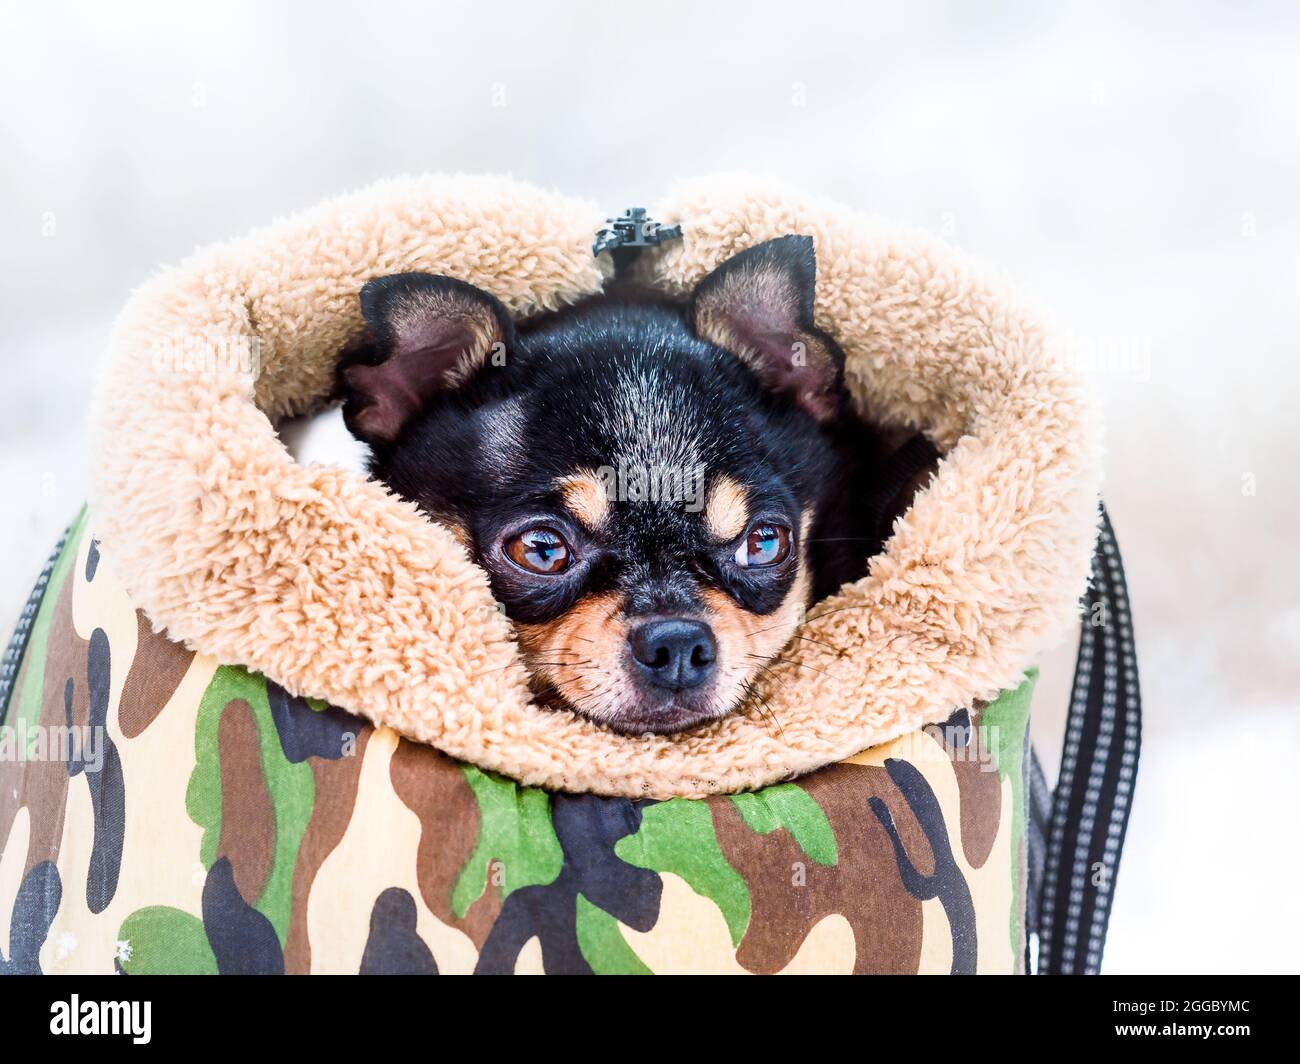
1136, 169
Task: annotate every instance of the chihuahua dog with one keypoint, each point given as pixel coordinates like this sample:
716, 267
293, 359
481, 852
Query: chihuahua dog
656, 491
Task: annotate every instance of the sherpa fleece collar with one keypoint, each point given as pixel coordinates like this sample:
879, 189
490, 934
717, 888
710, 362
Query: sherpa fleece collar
336, 589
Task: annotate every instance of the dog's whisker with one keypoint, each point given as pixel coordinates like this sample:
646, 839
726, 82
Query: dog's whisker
838, 609
499, 668
767, 669
770, 713
805, 638
820, 642
775, 720
792, 661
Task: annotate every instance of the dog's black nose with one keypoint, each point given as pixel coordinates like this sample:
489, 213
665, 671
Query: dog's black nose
674, 653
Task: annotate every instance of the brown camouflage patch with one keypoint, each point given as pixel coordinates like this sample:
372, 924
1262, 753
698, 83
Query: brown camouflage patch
980, 790
247, 815
791, 893
336, 792
433, 787
156, 671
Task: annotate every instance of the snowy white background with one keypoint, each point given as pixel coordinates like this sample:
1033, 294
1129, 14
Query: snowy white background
1136, 169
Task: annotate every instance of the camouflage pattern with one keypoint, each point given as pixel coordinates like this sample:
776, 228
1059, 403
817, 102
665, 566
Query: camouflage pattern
221, 825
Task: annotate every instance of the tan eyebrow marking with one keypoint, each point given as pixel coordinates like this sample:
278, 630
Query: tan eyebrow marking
727, 511
586, 498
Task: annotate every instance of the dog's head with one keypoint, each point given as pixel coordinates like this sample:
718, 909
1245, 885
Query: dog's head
639, 480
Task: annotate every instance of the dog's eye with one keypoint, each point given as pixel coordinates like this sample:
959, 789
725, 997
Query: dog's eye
539, 550
765, 545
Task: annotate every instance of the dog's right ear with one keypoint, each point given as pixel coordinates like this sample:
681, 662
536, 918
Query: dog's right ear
432, 334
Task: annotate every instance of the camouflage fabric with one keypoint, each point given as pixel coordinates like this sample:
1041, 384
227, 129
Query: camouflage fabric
162, 812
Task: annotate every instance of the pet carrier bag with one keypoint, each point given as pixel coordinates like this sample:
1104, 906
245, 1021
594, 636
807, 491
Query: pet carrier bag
265, 717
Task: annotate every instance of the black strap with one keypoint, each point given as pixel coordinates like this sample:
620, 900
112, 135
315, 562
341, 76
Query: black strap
17, 647
1039, 823
1090, 807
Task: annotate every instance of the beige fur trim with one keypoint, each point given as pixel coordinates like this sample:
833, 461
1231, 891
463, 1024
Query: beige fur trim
336, 589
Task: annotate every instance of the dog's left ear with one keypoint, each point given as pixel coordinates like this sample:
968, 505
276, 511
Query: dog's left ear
432, 334
759, 306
